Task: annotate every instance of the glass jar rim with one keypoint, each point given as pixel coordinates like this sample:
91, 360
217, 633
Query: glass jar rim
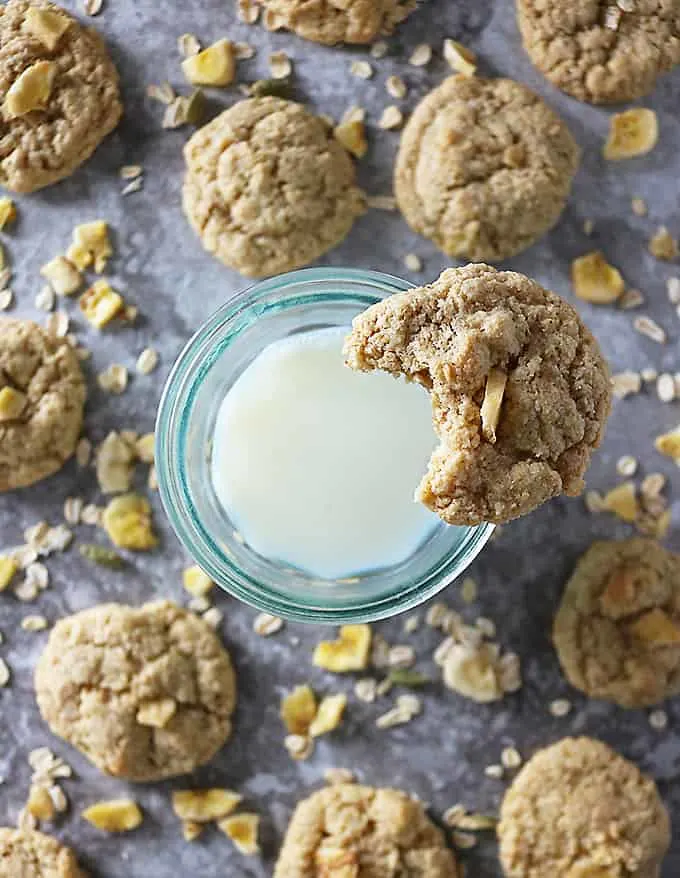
207, 345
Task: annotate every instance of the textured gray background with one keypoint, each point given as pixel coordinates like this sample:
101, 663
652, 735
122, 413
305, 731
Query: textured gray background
162, 269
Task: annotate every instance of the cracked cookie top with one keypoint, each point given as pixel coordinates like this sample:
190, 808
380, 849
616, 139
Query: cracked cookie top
484, 168
364, 832
268, 188
58, 94
520, 391
42, 394
579, 810
145, 693
617, 631
31, 854
338, 21
597, 52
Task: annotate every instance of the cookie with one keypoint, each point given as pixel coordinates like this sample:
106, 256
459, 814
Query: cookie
579, 810
268, 188
337, 21
520, 390
145, 693
484, 168
31, 854
598, 52
617, 631
42, 394
364, 832
58, 94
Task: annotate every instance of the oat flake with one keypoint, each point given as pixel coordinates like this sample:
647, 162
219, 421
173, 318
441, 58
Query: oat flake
421, 55
361, 69
6, 299
647, 326
147, 361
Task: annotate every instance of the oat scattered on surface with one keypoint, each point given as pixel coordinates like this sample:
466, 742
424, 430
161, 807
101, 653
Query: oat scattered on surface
421, 55
650, 328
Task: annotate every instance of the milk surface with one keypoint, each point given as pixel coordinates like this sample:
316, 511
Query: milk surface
317, 465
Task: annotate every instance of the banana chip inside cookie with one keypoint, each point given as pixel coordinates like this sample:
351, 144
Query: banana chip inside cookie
520, 391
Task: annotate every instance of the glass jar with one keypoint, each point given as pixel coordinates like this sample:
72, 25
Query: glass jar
207, 367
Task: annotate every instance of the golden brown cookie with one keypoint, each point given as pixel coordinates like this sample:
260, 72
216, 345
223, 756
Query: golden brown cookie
579, 810
598, 52
520, 390
617, 631
337, 21
358, 831
42, 393
484, 168
58, 94
268, 188
31, 854
145, 693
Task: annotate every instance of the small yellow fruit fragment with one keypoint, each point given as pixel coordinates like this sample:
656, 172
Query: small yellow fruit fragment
663, 245
127, 521
336, 862
656, 628
298, 710
62, 275
460, 58
631, 133
472, 673
46, 25
493, 400
329, 715
145, 447
669, 444
12, 403
622, 501
595, 280
619, 591
31, 90
196, 582
40, 804
157, 713
101, 303
352, 135
349, 653
202, 806
8, 212
115, 815
91, 246
242, 830
8, 567
191, 831
214, 66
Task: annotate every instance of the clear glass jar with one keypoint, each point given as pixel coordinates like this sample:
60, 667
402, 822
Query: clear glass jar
217, 354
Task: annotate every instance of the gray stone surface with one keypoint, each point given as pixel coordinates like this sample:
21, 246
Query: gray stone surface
161, 268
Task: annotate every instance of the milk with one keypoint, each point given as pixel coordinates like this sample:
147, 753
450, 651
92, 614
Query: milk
316, 465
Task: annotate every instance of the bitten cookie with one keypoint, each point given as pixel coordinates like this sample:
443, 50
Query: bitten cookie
599, 52
364, 832
617, 631
42, 394
520, 390
58, 94
268, 188
579, 810
337, 21
31, 854
144, 693
484, 168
